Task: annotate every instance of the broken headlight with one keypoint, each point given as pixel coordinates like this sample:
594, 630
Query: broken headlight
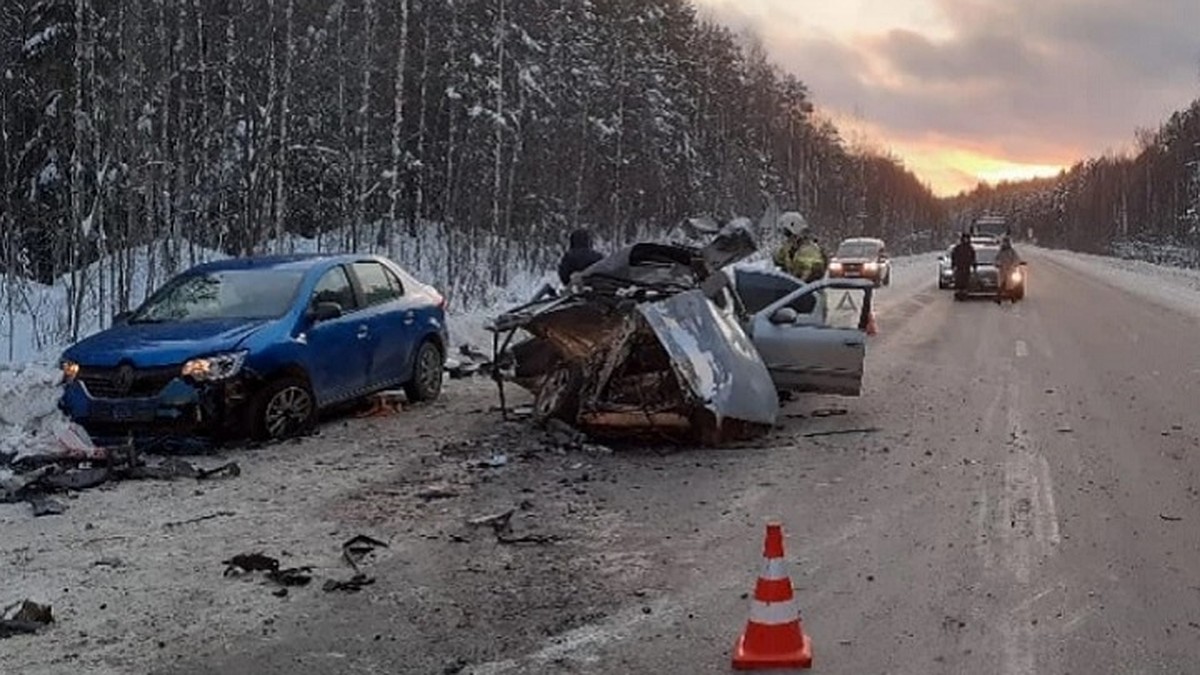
213, 368
70, 371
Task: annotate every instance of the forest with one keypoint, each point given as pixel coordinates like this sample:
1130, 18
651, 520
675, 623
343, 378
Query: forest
462, 137
1146, 203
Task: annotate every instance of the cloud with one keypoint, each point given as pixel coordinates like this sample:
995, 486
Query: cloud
1038, 82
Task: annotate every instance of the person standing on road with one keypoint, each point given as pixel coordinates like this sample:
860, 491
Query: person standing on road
578, 257
800, 254
962, 259
1007, 261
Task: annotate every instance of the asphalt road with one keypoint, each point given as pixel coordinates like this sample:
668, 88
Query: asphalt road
1015, 493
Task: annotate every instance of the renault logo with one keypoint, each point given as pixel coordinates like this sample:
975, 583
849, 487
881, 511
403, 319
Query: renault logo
123, 380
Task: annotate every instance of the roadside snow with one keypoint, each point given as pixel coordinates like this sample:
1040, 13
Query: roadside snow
29, 417
1171, 287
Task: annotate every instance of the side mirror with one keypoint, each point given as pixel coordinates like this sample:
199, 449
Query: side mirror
784, 316
121, 318
324, 311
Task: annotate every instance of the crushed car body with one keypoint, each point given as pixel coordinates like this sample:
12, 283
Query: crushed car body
645, 342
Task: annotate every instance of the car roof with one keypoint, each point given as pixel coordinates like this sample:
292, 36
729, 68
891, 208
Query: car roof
299, 262
863, 240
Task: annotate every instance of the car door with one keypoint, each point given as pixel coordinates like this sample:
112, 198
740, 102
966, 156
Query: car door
391, 324
338, 357
820, 350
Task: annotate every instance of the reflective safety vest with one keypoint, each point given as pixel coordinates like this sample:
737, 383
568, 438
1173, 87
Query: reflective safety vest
809, 261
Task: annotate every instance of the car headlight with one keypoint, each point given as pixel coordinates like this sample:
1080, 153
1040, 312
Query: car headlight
871, 267
835, 265
213, 368
70, 371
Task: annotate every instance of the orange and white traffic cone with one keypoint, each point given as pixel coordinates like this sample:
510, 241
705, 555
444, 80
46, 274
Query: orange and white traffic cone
773, 637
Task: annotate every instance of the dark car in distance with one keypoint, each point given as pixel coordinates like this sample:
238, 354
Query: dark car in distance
258, 346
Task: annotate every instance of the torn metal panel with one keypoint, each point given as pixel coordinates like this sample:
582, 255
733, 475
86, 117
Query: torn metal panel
714, 357
645, 341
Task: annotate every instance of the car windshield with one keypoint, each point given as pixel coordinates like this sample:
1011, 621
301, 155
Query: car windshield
986, 256
227, 294
857, 249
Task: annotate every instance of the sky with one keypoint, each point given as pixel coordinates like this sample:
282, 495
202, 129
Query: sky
971, 90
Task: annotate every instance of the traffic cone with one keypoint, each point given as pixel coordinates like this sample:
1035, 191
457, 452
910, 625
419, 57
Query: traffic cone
773, 637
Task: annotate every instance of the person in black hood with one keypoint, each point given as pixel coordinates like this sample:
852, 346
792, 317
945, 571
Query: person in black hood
579, 257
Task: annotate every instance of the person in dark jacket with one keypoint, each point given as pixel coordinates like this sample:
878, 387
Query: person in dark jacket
579, 257
962, 259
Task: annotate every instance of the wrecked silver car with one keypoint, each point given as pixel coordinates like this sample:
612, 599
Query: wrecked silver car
645, 342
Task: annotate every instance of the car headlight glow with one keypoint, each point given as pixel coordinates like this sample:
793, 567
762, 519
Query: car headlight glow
1015, 277
70, 371
214, 368
835, 265
871, 267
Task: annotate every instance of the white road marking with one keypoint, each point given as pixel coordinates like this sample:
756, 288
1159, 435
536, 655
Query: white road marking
1022, 349
1027, 531
582, 643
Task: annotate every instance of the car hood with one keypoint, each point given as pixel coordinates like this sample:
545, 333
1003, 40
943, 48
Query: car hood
150, 345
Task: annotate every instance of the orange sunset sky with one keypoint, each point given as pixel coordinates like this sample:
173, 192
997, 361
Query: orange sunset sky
971, 90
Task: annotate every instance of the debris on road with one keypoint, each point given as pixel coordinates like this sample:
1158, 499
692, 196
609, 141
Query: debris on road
291, 576
200, 519
45, 506
469, 363
830, 412
25, 618
497, 521
384, 404
354, 551
842, 432
352, 585
431, 492
1170, 519
250, 562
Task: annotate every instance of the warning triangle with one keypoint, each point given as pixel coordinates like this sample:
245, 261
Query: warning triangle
847, 303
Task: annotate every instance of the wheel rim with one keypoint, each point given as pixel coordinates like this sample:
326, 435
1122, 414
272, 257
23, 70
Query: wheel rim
288, 411
431, 371
551, 393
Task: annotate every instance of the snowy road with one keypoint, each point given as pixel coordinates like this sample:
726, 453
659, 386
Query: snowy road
1021, 498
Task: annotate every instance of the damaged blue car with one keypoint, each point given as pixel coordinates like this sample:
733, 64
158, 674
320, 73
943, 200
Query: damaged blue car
258, 347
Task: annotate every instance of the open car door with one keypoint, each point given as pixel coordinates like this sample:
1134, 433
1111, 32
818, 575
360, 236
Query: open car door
813, 338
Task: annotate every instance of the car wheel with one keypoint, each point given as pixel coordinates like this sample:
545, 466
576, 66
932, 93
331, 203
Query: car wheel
558, 397
284, 408
426, 384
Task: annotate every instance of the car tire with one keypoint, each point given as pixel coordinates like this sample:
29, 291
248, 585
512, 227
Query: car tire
284, 408
426, 383
558, 397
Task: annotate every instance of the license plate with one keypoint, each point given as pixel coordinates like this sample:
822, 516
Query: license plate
121, 411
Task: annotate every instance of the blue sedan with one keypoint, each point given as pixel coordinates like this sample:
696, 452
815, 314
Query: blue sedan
258, 346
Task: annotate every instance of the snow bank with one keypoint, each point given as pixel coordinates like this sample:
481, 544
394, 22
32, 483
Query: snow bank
29, 416
1171, 287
